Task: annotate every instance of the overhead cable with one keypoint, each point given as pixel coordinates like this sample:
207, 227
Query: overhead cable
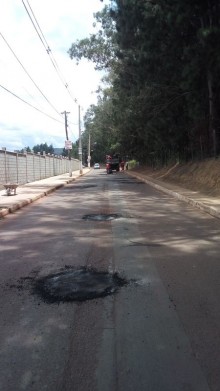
29, 104
46, 46
29, 74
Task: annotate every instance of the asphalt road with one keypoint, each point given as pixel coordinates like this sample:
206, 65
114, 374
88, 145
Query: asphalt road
160, 332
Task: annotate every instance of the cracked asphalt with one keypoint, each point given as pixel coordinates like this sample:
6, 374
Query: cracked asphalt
159, 332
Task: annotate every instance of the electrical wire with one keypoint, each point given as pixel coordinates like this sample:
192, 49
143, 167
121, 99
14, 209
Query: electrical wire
28, 74
46, 46
29, 104
55, 65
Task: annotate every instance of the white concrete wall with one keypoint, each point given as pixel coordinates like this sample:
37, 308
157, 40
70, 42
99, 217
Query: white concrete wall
30, 167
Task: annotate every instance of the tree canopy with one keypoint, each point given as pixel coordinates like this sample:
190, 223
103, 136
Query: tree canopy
160, 96
43, 148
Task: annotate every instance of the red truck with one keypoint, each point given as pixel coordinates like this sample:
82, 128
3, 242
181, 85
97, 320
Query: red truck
112, 163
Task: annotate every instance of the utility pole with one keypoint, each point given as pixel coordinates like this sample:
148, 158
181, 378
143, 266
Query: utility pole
67, 138
89, 150
80, 147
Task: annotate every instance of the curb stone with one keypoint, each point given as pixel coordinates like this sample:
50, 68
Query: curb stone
3, 212
198, 204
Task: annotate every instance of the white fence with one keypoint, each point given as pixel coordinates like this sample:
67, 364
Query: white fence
29, 167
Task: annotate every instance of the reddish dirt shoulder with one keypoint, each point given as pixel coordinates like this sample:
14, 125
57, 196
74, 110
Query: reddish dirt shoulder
203, 176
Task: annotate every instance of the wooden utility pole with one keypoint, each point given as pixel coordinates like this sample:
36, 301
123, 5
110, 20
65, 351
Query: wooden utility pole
67, 138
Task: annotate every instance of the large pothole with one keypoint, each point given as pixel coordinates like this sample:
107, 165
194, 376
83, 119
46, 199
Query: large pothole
102, 217
77, 285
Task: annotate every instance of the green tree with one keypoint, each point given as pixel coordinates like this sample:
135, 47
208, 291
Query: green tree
26, 149
73, 152
43, 148
163, 62
100, 47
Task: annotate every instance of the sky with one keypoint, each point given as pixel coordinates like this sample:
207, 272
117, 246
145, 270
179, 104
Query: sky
62, 23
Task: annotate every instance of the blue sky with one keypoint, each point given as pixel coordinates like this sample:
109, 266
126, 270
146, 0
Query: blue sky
62, 22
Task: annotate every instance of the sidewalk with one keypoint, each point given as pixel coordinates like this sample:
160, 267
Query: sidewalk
31, 192
204, 202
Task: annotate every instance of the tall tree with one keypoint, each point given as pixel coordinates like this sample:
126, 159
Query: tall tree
43, 148
163, 59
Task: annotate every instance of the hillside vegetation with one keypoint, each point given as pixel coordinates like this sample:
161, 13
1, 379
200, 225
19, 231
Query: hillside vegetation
201, 176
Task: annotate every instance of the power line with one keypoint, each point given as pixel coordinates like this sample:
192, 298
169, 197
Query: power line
46, 46
28, 74
29, 104
43, 39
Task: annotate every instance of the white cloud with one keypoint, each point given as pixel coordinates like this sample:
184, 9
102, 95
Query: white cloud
62, 23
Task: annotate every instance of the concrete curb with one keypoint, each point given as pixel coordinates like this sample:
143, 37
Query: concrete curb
200, 205
20, 204
3, 212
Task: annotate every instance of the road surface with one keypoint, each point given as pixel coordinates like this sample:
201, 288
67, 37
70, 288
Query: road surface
159, 332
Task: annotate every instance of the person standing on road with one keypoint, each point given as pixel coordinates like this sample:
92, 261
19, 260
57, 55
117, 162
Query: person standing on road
122, 165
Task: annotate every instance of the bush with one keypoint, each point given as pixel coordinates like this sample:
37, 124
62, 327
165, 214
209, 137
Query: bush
132, 164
